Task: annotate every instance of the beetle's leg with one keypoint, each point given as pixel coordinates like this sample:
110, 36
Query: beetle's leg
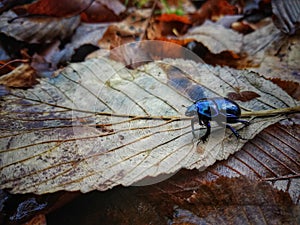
247, 123
238, 136
195, 119
207, 133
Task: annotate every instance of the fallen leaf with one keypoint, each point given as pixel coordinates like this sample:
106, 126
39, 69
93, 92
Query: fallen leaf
24, 76
126, 31
213, 10
53, 135
37, 220
57, 8
235, 200
115, 5
166, 25
103, 11
216, 38
86, 34
46, 60
286, 15
242, 96
291, 87
38, 29
272, 156
173, 18
272, 53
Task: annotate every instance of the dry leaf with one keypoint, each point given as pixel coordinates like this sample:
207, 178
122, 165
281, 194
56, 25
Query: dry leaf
56, 8
37, 220
213, 10
216, 38
286, 15
273, 54
103, 11
115, 5
91, 128
242, 96
36, 29
126, 31
24, 76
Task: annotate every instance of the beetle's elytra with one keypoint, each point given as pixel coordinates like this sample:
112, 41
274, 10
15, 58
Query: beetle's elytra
217, 109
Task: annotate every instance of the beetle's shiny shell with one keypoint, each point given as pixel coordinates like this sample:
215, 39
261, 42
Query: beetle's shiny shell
217, 107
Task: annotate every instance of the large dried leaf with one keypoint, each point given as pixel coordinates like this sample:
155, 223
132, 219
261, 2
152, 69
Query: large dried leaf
98, 125
183, 199
36, 29
216, 38
274, 54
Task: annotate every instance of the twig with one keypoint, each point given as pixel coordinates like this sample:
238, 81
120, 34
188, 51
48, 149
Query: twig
148, 20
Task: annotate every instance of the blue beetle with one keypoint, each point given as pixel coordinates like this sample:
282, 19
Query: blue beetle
218, 109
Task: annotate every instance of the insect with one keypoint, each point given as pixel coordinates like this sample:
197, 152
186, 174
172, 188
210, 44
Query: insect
218, 109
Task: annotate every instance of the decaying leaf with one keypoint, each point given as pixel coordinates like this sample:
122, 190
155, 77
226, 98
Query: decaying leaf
184, 199
36, 29
242, 96
232, 201
57, 8
24, 76
216, 38
286, 15
126, 31
103, 11
98, 124
37, 220
273, 53
86, 34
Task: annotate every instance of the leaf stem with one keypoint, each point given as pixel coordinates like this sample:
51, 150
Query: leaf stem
272, 112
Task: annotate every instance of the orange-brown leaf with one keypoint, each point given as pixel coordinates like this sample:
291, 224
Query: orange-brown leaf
24, 76
58, 8
173, 18
243, 95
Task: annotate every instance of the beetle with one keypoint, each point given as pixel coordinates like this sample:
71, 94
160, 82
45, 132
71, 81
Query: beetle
218, 109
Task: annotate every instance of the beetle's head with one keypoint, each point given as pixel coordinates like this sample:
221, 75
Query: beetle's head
191, 110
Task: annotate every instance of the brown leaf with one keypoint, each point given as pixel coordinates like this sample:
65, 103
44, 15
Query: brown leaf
57, 8
272, 54
115, 5
173, 18
24, 76
291, 87
236, 199
242, 96
272, 156
126, 31
167, 24
102, 11
192, 200
37, 220
213, 10
8, 66
37, 29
